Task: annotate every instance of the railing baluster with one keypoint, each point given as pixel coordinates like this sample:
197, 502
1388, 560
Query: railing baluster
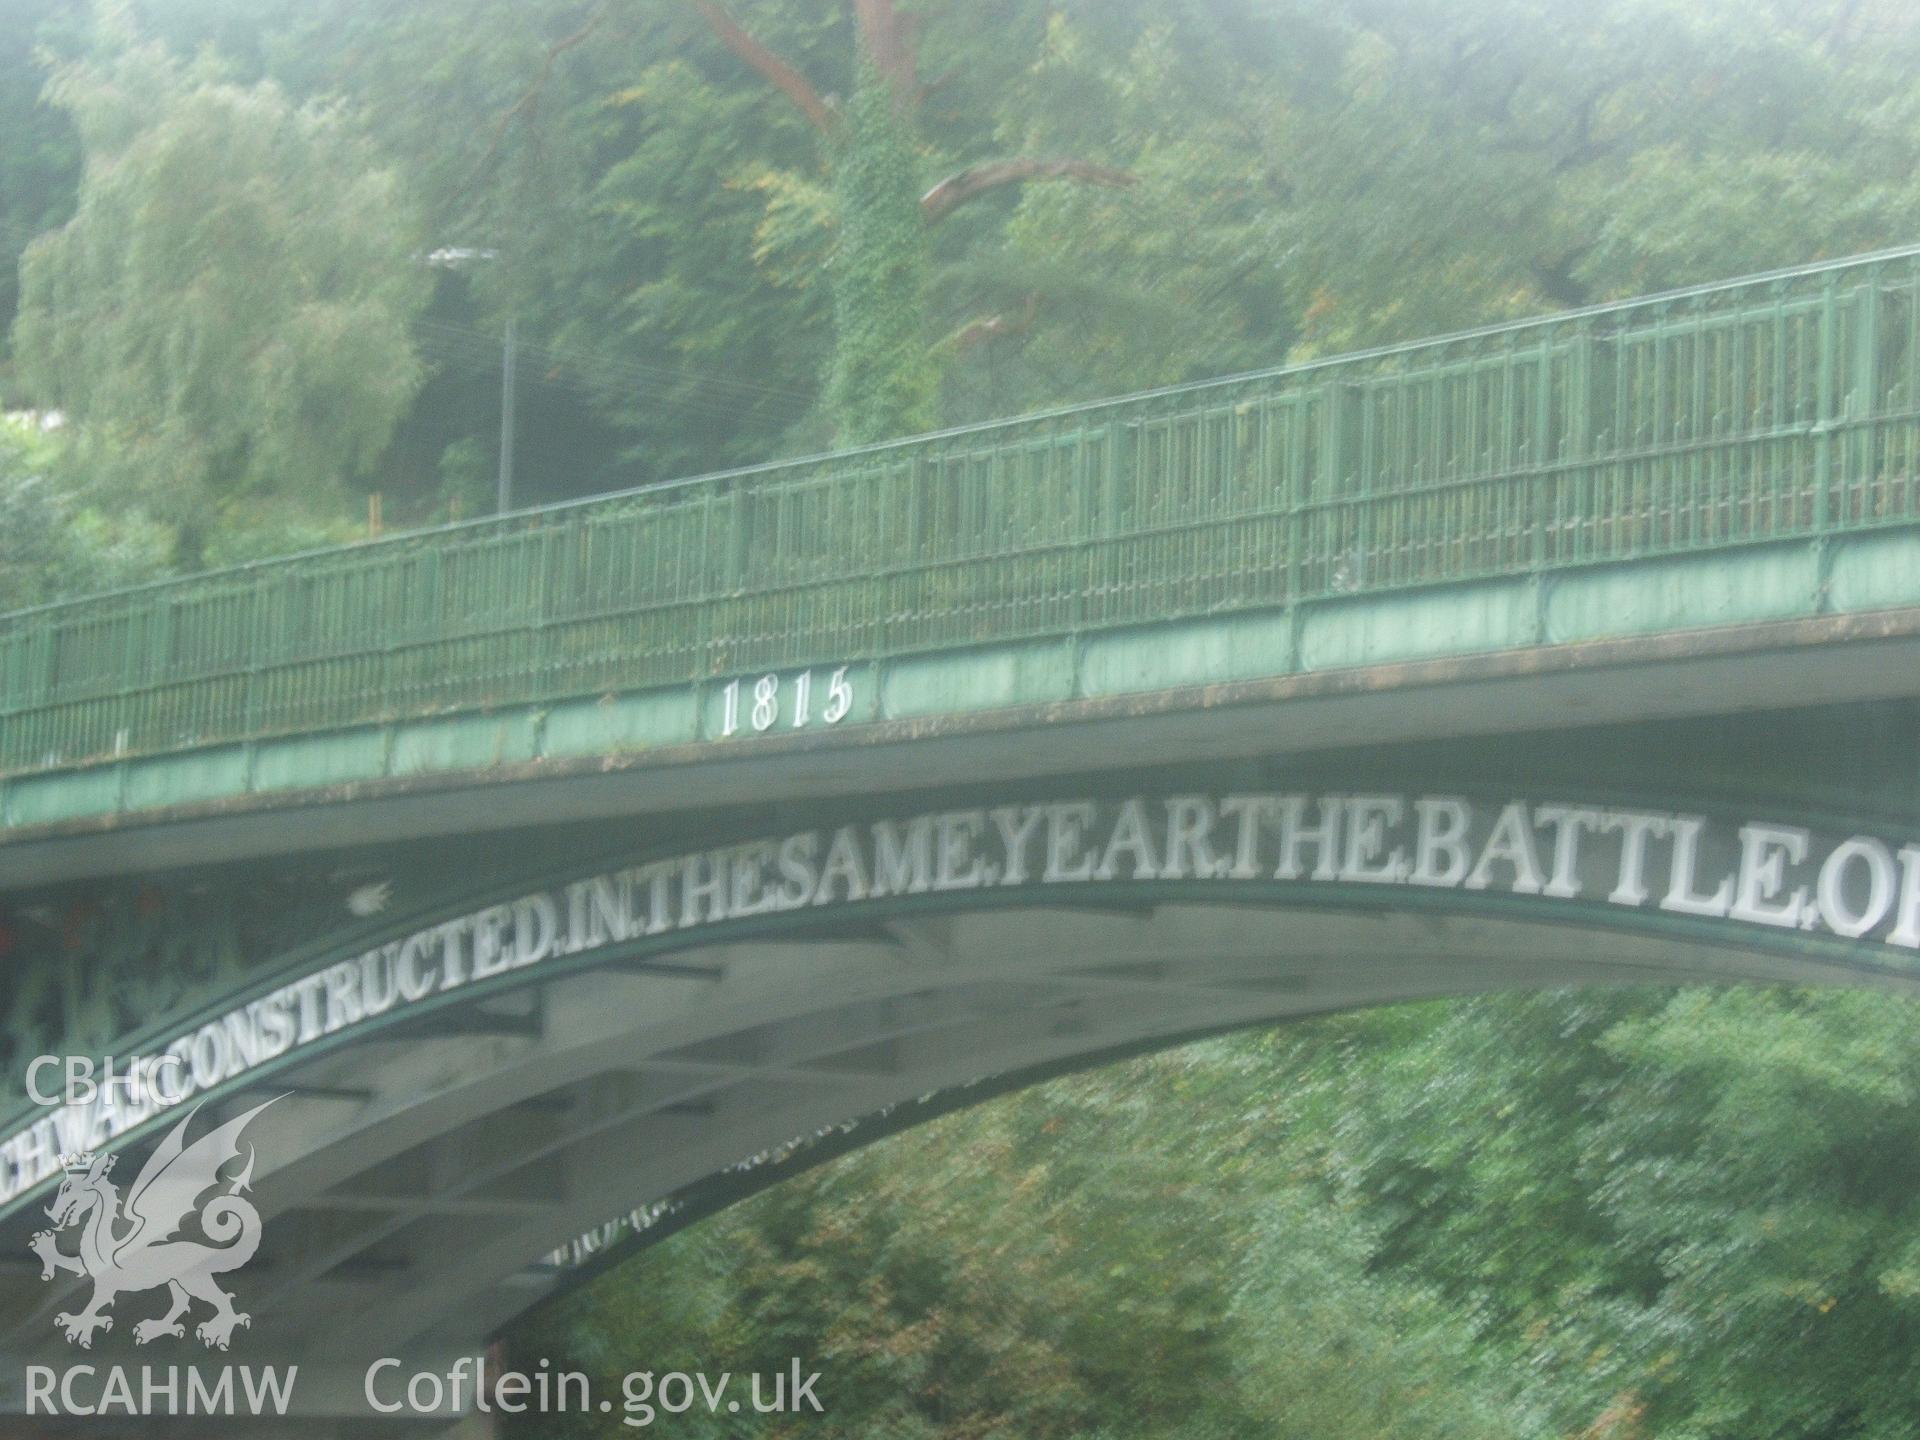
1826, 418
1759, 411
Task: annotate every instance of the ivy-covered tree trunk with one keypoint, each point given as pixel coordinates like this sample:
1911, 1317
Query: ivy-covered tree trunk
883, 381
885, 378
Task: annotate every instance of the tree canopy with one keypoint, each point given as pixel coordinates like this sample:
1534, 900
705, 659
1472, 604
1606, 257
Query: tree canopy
226, 313
718, 247
1586, 1216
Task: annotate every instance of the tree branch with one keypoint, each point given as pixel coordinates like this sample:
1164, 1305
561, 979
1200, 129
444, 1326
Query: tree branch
783, 77
530, 100
995, 327
963, 185
890, 43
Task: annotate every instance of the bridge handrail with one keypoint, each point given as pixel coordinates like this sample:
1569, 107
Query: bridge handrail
1776, 406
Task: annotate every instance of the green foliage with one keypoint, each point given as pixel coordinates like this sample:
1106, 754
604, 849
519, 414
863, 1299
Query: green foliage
40, 161
692, 264
1762, 1161
1062, 1263
226, 314
882, 382
731, 334
1466, 1133
1318, 177
1608, 1216
1508, 156
467, 478
1597, 1216
1181, 276
1679, 1213
1331, 1349
56, 546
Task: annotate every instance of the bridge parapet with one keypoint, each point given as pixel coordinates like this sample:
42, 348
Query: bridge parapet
1778, 410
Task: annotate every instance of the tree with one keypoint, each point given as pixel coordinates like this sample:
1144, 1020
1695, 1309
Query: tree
1189, 273
1760, 1160
1471, 162
225, 317
1681, 1213
1123, 1254
883, 381
1319, 177
1330, 1347
40, 163
55, 546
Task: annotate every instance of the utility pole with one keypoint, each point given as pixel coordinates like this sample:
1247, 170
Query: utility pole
504, 496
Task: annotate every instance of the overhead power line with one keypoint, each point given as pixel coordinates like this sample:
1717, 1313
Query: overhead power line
570, 380
718, 397
591, 377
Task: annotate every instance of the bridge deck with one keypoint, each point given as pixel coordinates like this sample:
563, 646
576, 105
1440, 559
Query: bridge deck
1730, 423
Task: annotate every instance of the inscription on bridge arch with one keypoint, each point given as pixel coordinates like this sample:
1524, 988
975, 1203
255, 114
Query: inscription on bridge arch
1763, 875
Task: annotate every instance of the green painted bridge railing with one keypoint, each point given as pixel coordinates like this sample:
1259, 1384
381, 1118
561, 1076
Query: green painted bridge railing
1769, 408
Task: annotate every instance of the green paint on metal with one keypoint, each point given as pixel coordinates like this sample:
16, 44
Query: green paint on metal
131, 960
63, 795
1191, 652
620, 722
1461, 620
464, 742
1872, 573
1705, 423
329, 759
181, 779
1644, 596
989, 678
1770, 583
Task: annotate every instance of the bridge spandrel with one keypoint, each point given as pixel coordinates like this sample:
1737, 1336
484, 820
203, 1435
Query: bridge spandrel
490, 1047
634, 853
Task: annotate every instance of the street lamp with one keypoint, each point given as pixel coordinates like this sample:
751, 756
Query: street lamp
458, 257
